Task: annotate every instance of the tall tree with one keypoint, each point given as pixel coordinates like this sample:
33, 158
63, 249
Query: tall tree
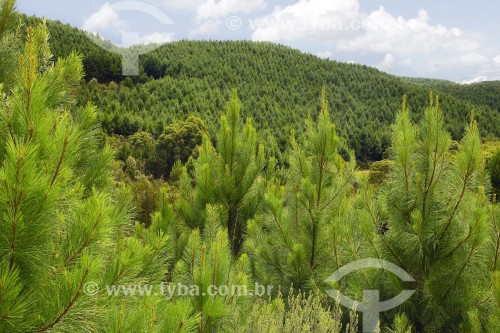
294, 241
437, 223
61, 225
228, 174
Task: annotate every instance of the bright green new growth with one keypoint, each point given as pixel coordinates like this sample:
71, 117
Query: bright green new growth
437, 222
228, 174
294, 241
61, 226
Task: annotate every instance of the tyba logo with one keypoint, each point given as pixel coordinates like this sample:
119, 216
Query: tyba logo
130, 55
371, 306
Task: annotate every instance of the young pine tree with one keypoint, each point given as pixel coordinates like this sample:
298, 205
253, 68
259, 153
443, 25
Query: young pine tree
437, 224
61, 227
228, 174
295, 241
207, 261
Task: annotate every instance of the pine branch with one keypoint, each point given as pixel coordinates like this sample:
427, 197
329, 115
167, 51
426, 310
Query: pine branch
60, 161
457, 205
68, 307
466, 263
434, 165
86, 242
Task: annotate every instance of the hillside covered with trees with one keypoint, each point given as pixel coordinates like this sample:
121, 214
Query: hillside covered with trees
277, 85
234, 234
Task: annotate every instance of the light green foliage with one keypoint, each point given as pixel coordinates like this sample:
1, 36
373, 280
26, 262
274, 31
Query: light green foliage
301, 313
9, 41
60, 225
228, 174
401, 325
379, 171
295, 240
207, 261
437, 222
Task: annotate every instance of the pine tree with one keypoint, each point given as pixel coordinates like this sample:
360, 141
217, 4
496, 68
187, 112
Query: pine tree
207, 262
61, 225
437, 226
295, 241
228, 174
9, 40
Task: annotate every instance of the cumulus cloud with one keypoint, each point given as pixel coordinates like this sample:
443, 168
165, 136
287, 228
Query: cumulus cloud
389, 62
105, 18
343, 23
209, 13
324, 54
497, 59
474, 58
206, 28
306, 19
155, 38
477, 79
212, 9
386, 33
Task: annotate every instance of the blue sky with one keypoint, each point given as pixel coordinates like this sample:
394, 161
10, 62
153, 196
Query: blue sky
458, 41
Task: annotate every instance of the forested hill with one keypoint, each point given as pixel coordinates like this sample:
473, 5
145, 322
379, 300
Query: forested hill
278, 87
482, 93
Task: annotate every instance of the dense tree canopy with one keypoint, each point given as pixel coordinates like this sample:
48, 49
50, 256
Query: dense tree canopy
277, 86
79, 210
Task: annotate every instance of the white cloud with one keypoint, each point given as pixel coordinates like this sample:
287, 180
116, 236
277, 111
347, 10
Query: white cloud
212, 9
386, 33
155, 38
406, 62
306, 19
497, 59
474, 58
475, 80
106, 17
324, 54
206, 28
343, 23
388, 63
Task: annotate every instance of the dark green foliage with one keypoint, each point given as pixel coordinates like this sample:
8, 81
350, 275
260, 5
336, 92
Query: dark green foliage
379, 171
178, 142
481, 93
278, 87
494, 170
